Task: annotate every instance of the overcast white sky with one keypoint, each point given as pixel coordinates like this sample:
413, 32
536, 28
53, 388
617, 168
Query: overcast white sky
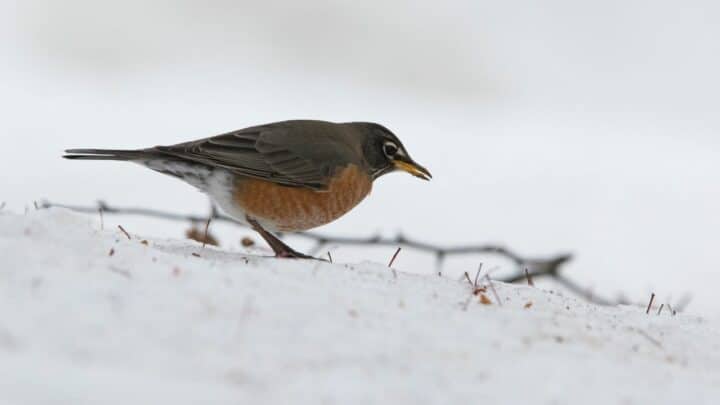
589, 127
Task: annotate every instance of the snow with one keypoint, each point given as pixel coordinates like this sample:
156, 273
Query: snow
583, 127
155, 323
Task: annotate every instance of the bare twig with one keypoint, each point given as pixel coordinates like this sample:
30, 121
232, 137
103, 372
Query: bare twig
102, 219
652, 298
477, 275
467, 277
492, 287
661, 308
124, 231
207, 228
536, 267
397, 252
330, 256
476, 289
529, 278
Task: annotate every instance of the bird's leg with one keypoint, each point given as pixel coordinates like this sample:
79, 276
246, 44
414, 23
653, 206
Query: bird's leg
278, 246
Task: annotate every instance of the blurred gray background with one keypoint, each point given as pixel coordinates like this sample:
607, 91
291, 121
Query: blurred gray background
589, 127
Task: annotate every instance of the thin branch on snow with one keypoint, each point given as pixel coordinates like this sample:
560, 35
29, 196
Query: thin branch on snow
652, 298
397, 252
477, 275
467, 277
124, 232
526, 267
529, 278
492, 287
205, 236
539, 266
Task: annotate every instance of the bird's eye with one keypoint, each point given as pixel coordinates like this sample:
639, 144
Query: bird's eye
390, 149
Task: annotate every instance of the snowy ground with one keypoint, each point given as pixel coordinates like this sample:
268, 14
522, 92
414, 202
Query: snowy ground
152, 322
550, 127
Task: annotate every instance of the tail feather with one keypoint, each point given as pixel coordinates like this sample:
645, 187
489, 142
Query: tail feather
109, 154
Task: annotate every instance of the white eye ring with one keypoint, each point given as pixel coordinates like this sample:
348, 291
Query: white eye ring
390, 149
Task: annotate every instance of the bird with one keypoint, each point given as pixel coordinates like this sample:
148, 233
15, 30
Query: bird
287, 176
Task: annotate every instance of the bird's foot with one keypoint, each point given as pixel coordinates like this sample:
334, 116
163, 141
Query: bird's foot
281, 249
292, 254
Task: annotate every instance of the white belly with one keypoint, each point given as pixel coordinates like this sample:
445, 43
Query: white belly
218, 184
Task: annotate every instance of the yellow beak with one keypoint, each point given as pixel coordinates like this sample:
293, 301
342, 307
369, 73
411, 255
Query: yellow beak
413, 168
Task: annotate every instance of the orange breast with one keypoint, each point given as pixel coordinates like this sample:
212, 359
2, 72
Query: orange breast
297, 209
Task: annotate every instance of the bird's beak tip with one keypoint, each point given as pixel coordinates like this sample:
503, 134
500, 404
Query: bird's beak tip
414, 169
423, 174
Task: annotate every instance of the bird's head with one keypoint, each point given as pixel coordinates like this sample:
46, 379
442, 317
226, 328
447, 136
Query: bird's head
385, 153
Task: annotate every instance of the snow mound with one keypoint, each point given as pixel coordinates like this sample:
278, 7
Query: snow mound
88, 315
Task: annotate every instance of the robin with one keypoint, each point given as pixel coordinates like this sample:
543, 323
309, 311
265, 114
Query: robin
285, 176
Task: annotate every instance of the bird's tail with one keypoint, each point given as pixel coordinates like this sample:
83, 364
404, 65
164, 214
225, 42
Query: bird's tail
110, 154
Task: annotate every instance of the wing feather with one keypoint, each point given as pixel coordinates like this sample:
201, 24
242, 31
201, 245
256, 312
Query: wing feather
298, 153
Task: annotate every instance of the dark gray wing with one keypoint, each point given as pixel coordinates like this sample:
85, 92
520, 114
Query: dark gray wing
292, 153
